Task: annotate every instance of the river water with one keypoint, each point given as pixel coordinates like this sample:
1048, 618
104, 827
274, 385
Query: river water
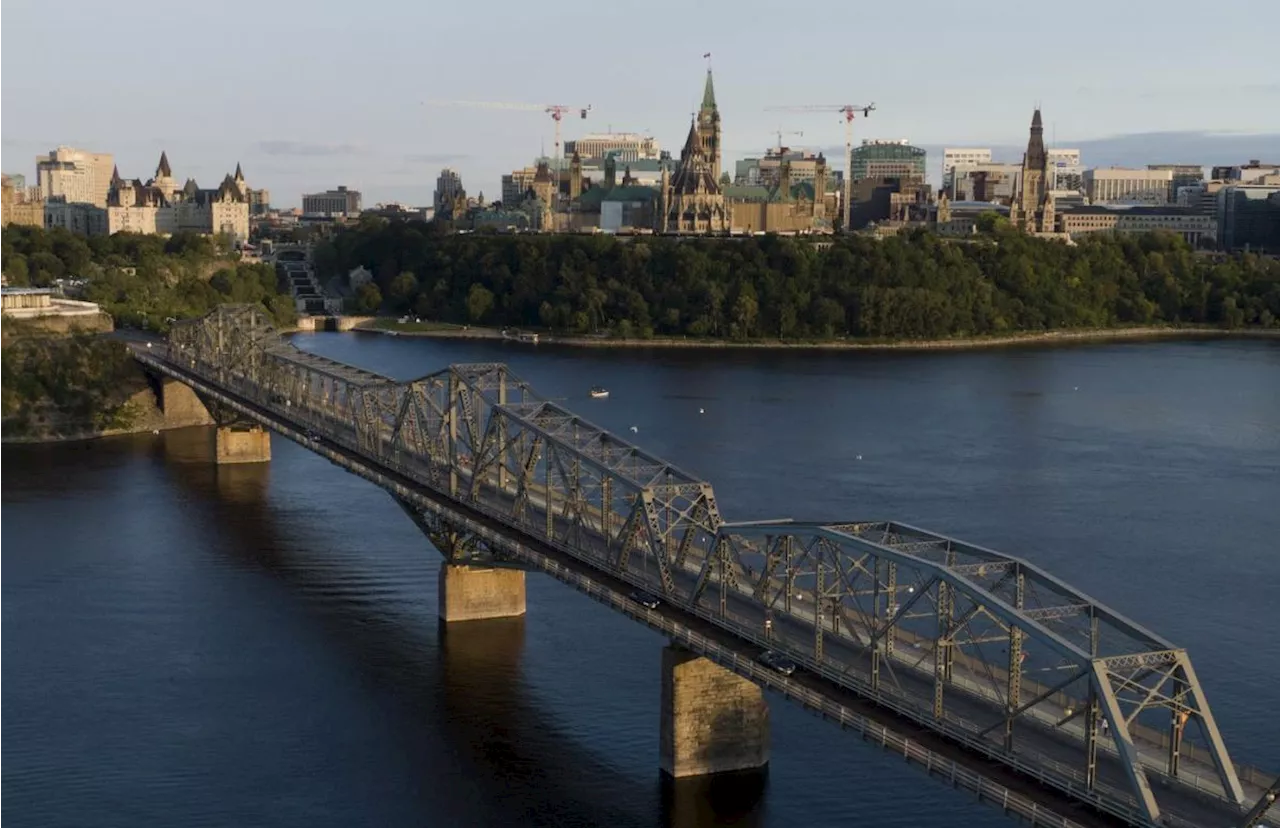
187, 645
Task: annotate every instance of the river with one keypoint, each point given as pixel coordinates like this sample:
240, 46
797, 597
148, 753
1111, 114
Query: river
187, 645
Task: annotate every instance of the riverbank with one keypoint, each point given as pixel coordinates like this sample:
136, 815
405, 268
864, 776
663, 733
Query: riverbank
443, 330
63, 389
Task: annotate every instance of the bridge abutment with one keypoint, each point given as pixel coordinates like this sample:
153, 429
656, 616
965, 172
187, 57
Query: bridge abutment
242, 445
470, 593
181, 406
713, 720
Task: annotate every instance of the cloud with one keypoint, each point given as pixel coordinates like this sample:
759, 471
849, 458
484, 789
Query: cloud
305, 148
437, 157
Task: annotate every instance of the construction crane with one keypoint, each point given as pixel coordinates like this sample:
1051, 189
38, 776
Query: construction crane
848, 111
780, 133
556, 111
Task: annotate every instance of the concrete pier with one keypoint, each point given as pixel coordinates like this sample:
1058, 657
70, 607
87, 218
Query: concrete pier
474, 594
713, 721
242, 445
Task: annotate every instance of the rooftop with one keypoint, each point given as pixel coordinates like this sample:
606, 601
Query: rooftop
25, 291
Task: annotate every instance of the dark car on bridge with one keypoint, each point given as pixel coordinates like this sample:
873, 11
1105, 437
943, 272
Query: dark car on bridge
778, 662
646, 600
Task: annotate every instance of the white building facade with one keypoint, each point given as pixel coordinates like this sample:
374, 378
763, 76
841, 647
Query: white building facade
75, 176
1118, 185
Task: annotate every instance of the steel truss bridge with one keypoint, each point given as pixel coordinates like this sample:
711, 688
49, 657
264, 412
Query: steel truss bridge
980, 666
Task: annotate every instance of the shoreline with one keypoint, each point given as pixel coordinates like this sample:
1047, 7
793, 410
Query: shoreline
959, 343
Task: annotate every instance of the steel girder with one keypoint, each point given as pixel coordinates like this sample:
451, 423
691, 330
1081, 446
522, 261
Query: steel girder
977, 639
479, 434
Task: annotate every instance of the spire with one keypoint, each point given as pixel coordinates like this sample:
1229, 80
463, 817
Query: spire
115, 176
709, 93
163, 171
239, 174
1036, 155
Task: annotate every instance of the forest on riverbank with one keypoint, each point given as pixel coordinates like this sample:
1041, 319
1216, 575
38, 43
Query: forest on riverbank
143, 280
912, 286
57, 387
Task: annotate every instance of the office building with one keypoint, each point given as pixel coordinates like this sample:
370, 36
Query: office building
514, 186
1184, 175
1244, 173
1066, 174
75, 176
1118, 185
624, 146
340, 202
963, 158
1249, 215
879, 159
1195, 228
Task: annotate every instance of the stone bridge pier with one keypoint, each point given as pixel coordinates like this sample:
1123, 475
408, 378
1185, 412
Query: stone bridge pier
234, 440
470, 588
712, 721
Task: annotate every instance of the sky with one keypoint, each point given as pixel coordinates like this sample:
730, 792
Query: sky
310, 95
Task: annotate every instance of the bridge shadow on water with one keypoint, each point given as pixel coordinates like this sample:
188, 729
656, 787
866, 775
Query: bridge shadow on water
464, 716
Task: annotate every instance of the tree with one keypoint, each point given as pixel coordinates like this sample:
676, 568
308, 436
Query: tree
368, 298
402, 291
15, 270
479, 301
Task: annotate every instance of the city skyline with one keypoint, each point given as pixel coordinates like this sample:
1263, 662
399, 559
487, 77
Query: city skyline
276, 114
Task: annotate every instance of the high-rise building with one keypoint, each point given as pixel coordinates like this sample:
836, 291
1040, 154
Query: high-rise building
887, 159
339, 202
448, 191
75, 176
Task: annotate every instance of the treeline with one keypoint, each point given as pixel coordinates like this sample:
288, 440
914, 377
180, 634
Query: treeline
143, 280
53, 386
916, 285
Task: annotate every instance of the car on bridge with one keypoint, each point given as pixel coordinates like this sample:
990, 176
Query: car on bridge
777, 661
645, 600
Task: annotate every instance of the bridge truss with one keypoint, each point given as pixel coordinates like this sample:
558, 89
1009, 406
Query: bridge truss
984, 647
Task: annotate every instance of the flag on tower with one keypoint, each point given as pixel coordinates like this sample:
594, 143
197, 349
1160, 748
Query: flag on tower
707, 55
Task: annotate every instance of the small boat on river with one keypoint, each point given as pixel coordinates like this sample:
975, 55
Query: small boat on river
598, 393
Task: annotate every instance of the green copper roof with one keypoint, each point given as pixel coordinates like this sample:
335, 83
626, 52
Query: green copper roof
709, 93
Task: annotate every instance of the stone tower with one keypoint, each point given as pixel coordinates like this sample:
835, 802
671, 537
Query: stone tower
163, 180
709, 126
1032, 206
692, 200
575, 177
820, 187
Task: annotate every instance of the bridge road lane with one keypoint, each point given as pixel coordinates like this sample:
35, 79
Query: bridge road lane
749, 615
